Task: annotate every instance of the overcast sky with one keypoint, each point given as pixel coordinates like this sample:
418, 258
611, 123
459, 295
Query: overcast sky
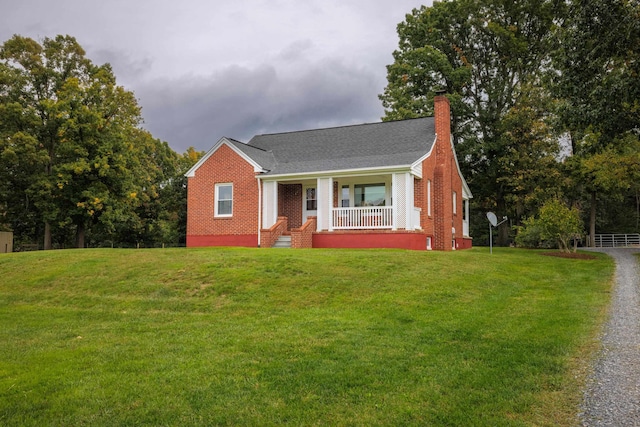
206, 69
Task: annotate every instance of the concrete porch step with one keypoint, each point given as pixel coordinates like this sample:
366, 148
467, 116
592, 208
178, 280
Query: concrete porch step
283, 241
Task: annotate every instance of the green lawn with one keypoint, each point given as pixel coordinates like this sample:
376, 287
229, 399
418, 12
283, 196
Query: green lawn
262, 337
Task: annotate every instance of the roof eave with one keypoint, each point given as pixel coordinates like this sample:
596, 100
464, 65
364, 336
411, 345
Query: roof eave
337, 172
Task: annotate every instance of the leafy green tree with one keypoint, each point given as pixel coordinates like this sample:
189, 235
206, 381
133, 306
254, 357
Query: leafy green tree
32, 77
560, 223
556, 222
615, 171
598, 84
22, 171
486, 55
529, 159
174, 194
71, 143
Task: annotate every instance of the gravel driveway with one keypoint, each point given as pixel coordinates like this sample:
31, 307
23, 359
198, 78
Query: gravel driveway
612, 397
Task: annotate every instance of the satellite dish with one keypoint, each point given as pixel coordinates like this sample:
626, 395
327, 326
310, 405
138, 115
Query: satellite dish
492, 218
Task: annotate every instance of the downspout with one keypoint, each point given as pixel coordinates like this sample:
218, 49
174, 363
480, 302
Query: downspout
259, 207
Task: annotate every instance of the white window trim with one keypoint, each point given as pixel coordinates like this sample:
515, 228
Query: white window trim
455, 203
429, 197
216, 200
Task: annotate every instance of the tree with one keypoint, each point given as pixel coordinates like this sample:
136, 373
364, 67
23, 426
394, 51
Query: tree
560, 223
529, 159
598, 84
556, 222
615, 171
175, 193
485, 55
73, 153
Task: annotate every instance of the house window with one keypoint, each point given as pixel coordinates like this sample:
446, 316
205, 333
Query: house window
369, 195
224, 200
429, 197
312, 200
455, 203
345, 196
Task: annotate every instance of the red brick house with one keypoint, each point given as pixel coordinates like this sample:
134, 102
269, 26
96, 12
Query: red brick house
382, 185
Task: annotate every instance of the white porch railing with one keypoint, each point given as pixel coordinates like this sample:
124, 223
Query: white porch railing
465, 228
368, 217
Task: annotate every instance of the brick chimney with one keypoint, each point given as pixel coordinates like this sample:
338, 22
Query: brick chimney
443, 191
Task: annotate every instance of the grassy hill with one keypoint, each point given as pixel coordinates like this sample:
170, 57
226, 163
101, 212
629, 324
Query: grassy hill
299, 337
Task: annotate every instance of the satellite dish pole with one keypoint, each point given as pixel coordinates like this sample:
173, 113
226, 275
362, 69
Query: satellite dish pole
493, 222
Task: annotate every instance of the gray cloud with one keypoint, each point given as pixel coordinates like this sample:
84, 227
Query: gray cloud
240, 102
204, 69
129, 70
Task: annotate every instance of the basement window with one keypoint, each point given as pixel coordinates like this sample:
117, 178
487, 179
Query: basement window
224, 200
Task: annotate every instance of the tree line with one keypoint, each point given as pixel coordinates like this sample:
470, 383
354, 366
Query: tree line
545, 97
76, 167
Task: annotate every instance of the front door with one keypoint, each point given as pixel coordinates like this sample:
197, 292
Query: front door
309, 203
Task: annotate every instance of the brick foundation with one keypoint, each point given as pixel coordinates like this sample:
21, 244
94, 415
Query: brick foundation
370, 239
246, 240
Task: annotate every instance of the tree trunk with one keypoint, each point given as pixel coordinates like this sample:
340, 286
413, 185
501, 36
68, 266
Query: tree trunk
47, 236
592, 221
503, 229
80, 235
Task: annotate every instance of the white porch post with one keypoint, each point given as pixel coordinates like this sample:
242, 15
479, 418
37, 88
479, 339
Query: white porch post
325, 203
270, 204
465, 224
394, 201
402, 195
330, 205
409, 202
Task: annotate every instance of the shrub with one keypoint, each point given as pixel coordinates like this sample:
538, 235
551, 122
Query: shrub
556, 223
529, 235
560, 223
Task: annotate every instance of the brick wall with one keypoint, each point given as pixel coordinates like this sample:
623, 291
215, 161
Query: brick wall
426, 220
443, 182
203, 229
290, 203
303, 237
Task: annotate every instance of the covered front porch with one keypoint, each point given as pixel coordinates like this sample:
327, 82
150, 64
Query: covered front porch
370, 202
386, 209
369, 210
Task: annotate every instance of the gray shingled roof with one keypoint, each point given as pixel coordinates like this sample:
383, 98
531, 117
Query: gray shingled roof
375, 145
262, 157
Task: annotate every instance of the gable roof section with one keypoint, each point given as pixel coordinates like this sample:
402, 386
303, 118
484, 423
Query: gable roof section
259, 159
380, 145
263, 158
367, 146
